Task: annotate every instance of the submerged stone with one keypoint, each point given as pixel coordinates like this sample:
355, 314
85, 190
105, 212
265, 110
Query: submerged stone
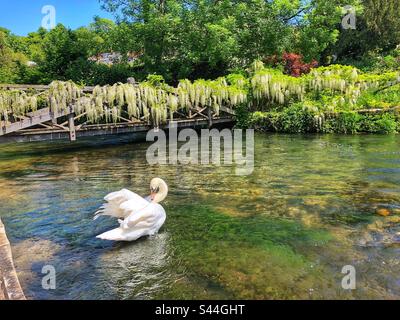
383, 212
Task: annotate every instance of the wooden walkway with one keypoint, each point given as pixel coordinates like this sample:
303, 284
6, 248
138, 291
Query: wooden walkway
43, 124
10, 288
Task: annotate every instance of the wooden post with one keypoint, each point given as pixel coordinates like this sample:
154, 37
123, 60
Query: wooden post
71, 126
10, 288
210, 119
3, 123
54, 120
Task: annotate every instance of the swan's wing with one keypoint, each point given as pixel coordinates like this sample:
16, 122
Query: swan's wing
144, 222
148, 217
120, 196
116, 199
133, 206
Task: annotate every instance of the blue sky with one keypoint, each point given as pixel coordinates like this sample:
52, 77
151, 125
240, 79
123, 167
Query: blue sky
24, 16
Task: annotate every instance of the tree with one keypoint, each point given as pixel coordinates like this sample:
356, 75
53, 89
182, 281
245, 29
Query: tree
6, 59
383, 23
377, 31
201, 38
60, 51
317, 25
12, 64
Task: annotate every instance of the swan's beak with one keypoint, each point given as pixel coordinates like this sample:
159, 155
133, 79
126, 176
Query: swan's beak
152, 196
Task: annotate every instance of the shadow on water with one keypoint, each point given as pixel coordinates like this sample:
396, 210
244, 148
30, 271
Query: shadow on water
28, 149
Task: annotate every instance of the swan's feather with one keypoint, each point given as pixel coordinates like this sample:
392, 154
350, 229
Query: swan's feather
144, 222
150, 214
115, 201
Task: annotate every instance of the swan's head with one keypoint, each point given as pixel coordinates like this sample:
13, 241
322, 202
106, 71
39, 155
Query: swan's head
158, 189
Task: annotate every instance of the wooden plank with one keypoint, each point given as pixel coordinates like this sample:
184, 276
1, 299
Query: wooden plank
2, 289
61, 127
121, 125
37, 87
76, 118
228, 110
45, 126
198, 112
24, 87
10, 287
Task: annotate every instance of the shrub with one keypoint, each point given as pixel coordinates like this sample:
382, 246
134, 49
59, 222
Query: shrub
382, 123
295, 119
243, 117
266, 121
295, 66
386, 124
343, 122
155, 80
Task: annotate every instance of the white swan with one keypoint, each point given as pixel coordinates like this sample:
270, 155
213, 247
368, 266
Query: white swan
138, 217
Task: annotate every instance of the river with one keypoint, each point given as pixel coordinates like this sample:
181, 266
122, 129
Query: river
284, 232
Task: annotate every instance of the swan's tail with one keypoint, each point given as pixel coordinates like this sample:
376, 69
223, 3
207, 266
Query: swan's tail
99, 213
112, 205
120, 234
108, 209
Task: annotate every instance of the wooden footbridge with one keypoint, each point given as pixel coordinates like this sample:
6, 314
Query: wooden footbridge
43, 124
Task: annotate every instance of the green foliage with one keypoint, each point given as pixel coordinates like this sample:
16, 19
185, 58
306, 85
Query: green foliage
386, 123
294, 119
92, 73
12, 64
320, 26
372, 99
243, 117
347, 122
333, 88
377, 33
205, 39
298, 120
59, 51
155, 79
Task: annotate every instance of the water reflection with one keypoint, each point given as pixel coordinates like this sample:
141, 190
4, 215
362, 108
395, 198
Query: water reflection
141, 268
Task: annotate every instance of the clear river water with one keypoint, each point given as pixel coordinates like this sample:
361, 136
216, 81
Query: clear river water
284, 232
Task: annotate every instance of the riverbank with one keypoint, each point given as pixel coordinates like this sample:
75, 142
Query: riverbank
10, 288
296, 119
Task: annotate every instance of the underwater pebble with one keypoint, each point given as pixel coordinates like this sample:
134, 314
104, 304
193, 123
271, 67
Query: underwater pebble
383, 212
